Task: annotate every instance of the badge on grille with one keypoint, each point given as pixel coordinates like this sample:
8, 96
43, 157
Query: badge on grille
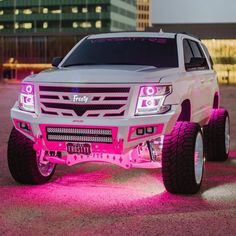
79, 98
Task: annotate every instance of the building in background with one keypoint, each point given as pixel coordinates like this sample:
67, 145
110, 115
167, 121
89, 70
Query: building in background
215, 24
34, 31
143, 15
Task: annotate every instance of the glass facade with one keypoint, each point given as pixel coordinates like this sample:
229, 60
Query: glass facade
41, 16
34, 31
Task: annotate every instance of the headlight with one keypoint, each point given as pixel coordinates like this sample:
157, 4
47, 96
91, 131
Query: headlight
151, 99
26, 99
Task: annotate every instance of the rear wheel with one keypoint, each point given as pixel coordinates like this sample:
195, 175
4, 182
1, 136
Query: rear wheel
183, 159
24, 163
217, 136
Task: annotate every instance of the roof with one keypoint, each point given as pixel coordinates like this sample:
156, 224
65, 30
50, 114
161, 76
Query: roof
133, 34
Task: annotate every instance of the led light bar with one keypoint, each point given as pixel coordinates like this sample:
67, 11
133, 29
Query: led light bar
59, 130
73, 138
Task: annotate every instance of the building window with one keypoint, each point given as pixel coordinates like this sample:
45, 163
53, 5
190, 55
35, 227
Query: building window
75, 25
98, 9
98, 24
86, 24
1, 27
45, 25
26, 25
74, 10
58, 11
17, 12
1, 12
27, 11
16, 25
84, 9
45, 10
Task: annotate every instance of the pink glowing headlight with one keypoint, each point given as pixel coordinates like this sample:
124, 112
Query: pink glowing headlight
26, 99
151, 99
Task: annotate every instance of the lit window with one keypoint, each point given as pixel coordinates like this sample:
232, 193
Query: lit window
16, 25
98, 9
74, 9
84, 9
1, 12
45, 10
75, 25
86, 24
17, 11
45, 25
27, 11
98, 24
56, 11
26, 26
1, 27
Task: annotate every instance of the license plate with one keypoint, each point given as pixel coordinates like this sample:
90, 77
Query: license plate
79, 148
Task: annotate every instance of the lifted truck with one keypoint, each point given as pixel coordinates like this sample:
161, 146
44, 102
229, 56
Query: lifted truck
136, 100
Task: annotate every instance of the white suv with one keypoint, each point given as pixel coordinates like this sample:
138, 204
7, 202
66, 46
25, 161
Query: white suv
137, 100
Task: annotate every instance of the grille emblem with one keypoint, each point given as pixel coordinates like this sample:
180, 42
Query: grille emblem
80, 99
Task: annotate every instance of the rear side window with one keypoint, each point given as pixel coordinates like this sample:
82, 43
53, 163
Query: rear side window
187, 51
208, 55
193, 50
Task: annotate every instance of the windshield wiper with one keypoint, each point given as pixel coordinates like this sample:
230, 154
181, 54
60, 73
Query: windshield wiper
79, 64
106, 63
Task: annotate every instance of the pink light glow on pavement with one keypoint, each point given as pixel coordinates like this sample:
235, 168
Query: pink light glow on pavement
103, 195
103, 199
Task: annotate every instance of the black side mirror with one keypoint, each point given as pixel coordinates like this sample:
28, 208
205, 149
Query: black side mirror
196, 62
56, 61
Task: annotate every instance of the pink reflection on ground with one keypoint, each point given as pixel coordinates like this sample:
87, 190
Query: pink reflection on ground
105, 199
95, 184
106, 185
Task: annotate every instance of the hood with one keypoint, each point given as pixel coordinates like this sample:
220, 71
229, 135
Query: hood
103, 74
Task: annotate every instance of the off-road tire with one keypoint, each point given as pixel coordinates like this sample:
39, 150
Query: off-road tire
22, 160
178, 155
214, 136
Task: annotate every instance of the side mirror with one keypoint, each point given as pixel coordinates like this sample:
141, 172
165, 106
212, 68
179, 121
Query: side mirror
196, 62
56, 61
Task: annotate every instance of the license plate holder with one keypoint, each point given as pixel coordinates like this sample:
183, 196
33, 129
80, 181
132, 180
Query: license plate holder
79, 148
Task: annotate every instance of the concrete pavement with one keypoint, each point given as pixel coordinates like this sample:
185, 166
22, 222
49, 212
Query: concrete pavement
102, 199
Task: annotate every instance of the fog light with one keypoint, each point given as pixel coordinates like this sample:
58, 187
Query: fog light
140, 131
24, 126
150, 130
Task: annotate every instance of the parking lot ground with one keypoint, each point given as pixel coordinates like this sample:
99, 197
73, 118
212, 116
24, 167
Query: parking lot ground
102, 199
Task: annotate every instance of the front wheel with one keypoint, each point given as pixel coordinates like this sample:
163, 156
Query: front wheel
183, 159
23, 162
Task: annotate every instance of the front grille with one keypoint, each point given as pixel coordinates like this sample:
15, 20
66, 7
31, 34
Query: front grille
99, 101
82, 108
66, 134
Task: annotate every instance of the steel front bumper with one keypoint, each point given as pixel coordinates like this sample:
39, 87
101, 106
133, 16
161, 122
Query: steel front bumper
123, 129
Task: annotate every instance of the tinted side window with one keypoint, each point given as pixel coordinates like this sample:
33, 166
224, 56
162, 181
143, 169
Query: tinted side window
187, 52
196, 49
192, 50
208, 55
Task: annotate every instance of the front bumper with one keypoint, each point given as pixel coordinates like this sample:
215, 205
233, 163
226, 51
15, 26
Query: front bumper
122, 134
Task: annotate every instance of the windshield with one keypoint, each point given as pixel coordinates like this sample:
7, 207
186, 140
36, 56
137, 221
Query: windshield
158, 52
